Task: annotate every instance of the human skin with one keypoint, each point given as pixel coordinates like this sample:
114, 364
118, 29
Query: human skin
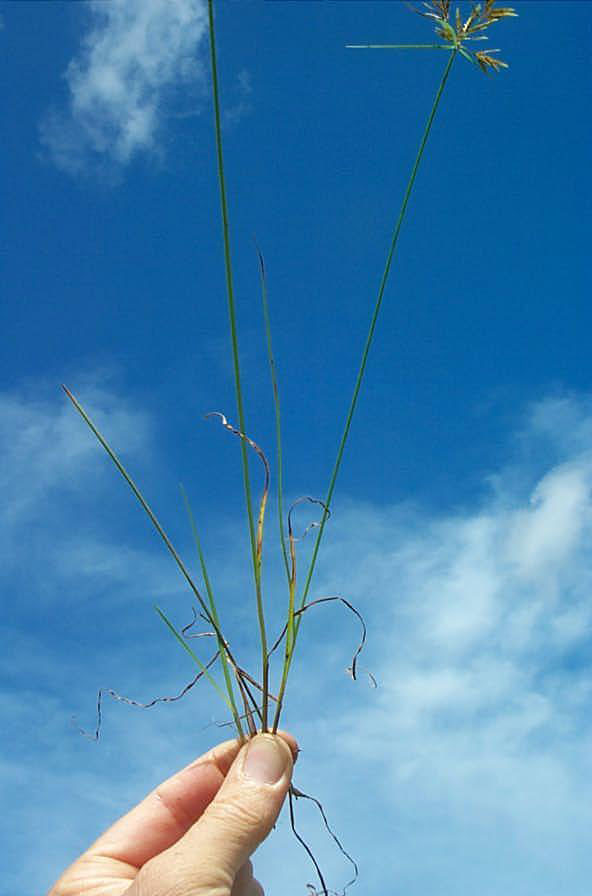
195, 833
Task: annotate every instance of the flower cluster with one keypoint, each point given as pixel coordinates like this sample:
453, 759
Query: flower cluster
457, 32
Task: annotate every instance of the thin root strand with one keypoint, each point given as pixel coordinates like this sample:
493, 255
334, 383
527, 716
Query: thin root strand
128, 700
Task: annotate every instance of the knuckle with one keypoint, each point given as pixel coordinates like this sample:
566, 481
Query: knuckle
237, 817
171, 877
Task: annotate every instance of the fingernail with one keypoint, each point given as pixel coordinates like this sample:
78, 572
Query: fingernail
266, 760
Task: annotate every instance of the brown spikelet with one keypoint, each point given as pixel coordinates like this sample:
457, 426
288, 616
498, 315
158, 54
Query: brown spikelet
489, 63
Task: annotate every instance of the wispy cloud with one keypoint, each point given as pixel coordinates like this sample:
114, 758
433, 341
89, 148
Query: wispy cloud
241, 106
134, 55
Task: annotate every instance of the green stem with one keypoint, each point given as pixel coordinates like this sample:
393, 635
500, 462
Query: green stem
278, 434
192, 654
260, 614
276, 406
255, 551
369, 338
398, 47
153, 519
139, 497
290, 633
229, 281
215, 617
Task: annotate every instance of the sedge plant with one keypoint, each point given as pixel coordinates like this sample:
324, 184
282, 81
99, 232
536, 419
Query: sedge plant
248, 697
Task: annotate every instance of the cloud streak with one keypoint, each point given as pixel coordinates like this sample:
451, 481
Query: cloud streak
134, 55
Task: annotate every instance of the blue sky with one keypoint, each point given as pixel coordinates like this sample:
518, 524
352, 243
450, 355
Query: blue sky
462, 521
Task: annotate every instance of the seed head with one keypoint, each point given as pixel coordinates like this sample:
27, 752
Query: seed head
457, 32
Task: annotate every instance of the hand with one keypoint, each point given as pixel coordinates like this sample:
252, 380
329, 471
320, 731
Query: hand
193, 835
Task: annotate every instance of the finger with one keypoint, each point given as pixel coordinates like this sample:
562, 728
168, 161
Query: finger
255, 889
169, 811
243, 881
212, 852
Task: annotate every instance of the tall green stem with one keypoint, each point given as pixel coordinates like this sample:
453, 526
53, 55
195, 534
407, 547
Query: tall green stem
255, 552
365, 353
229, 280
277, 411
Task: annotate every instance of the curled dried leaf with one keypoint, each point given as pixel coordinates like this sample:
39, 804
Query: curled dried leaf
352, 668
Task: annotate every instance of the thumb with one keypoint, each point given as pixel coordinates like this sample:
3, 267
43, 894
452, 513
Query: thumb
208, 857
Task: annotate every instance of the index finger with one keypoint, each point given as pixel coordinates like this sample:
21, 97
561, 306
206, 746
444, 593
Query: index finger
163, 816
167, 813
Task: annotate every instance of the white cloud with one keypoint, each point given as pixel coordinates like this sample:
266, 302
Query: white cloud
46, 447
241, 106
120, 85
543, 536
